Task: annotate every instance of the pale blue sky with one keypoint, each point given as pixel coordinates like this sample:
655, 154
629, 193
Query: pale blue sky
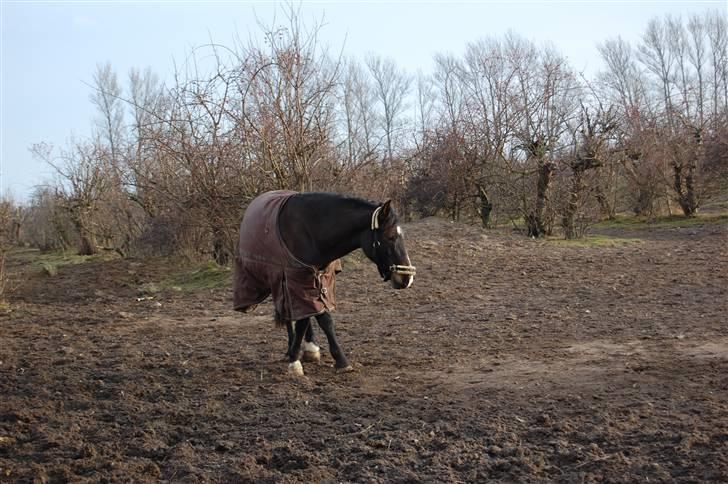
51, 49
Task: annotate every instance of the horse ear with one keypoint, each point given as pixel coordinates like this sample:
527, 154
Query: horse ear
384, 212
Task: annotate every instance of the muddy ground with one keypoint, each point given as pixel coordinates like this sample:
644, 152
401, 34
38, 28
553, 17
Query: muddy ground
509, 359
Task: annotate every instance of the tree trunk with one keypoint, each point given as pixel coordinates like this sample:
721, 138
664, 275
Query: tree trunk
86, 239
535, 220
605, 204
486, 206
87, 245
685, 188
220, 252
569, 219
644, 203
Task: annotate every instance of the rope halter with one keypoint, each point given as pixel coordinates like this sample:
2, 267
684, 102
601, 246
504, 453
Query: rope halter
393, 269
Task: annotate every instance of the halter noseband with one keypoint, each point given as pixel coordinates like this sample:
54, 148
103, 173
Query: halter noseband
393, 269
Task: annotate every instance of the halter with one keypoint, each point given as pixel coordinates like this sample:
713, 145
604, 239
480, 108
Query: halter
375, 220
393, 269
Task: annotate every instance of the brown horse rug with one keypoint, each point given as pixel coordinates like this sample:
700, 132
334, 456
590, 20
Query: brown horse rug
264, 266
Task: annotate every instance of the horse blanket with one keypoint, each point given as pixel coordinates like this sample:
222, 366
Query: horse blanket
264, 266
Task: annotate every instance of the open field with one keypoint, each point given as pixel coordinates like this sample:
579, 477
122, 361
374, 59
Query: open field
508, 359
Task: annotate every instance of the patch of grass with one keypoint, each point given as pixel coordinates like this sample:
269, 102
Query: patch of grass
596, 241
49, 262
638, 223
49, 269
716, 205
206, 276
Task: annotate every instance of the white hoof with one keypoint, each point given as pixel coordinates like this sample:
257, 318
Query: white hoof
310, 347
311, 352
295, 368
311, 357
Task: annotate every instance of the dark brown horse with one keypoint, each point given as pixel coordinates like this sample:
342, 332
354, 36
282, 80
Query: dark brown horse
289, 247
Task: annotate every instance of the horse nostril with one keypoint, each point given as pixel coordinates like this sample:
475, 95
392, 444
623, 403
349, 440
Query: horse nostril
401, 282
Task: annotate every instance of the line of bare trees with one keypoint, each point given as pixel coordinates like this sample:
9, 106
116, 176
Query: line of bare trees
516, 133
507, 132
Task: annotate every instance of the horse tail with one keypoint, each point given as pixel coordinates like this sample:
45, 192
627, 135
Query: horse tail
279, 319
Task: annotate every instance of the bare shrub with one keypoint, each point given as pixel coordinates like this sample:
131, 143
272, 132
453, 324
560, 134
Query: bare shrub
445, 178
9, 231
491, 136
47, 226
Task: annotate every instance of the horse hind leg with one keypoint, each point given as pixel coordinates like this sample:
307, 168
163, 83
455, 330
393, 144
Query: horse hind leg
291, 336
311, 351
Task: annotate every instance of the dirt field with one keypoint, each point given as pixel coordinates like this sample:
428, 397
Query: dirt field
509, 359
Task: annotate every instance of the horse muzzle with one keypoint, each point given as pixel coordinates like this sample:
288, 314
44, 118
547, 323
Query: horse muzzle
402, 277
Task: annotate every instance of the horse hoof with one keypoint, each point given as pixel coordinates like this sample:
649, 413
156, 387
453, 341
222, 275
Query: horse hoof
344, 369
311, 356
295, 368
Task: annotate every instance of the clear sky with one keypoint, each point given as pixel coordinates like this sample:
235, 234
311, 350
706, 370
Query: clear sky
50, 49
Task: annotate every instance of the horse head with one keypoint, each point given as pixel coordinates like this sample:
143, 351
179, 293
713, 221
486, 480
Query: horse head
384, 245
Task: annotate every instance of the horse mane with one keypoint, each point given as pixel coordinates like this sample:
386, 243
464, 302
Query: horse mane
352, 202
355, 202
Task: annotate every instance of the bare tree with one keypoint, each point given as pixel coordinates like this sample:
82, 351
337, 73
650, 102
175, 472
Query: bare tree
106, 96
9, 222
717, 29
48, 226
357, 102
447, 80
622, 77
119, 220
83, 172
424, 108
546, 100
495, 132
678, 45
696, 53
593, 141
489, 83
147, 103
655, 54
391, 86
286, 94
236, 122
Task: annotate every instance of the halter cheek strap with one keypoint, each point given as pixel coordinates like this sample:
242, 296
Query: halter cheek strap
393, 269
375, 218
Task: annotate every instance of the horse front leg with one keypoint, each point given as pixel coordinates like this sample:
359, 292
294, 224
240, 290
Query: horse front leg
294, 351
326, 323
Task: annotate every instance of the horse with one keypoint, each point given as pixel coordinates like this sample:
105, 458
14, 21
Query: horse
289, 247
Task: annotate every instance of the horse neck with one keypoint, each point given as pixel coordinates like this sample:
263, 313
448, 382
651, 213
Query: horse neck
337, 233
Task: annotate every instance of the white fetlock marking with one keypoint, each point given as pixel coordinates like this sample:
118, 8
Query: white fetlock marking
310, 347
295, 368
